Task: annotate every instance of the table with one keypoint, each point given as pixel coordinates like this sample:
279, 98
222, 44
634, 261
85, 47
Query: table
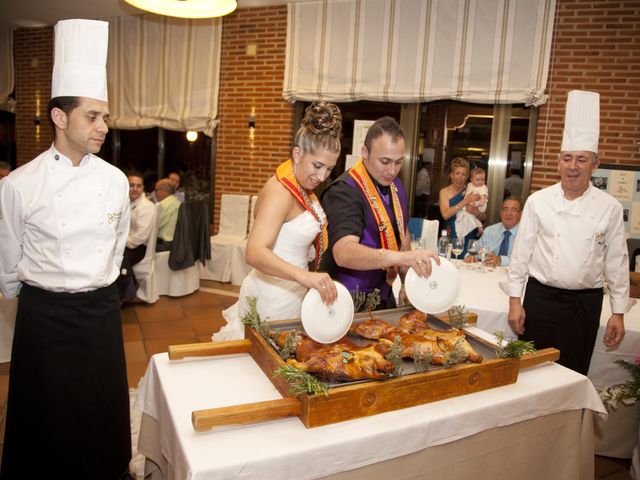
8, 308
618, 436
519, 425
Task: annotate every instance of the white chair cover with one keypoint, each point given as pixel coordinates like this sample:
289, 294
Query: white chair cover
144, 270
228, 247
175, 283
8, 308
430, 234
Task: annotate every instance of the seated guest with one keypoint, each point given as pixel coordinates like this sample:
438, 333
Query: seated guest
139, 231
5, 168
498, 239
175, 178
169, 206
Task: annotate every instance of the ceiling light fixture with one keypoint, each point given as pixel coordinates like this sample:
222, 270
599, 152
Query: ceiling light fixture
186, 8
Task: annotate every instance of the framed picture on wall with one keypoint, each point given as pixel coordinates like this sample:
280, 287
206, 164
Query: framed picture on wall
623, 183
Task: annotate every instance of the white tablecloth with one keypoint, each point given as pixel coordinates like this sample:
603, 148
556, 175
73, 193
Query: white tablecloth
8, 307
285, 449
618, 436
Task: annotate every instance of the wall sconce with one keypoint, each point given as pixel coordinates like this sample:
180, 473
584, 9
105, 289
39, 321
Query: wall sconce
36, 120
192, 136
252, 121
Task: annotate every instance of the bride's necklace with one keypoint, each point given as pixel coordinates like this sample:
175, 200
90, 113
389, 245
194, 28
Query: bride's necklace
322, 221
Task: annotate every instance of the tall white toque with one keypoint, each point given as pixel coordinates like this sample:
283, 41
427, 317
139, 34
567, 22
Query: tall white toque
581, 122
79, 68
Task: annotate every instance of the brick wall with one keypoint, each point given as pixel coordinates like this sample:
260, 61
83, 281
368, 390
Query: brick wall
251, 84
596, 47
33, 64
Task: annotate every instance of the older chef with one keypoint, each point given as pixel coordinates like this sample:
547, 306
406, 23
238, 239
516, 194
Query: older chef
571, 239
64, 219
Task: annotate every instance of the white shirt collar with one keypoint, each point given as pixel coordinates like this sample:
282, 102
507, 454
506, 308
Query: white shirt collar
64, 161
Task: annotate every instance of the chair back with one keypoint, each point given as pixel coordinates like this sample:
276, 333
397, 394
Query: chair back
415, 227
430, 234
145, 269
234, 213
252, 210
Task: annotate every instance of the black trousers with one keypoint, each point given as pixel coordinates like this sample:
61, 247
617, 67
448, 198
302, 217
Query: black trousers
127, 281
68, 404
565, 319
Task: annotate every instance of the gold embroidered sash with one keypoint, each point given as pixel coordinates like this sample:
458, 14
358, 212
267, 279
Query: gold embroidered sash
285, 175
388, 239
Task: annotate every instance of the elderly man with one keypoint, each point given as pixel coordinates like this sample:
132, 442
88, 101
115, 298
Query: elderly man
367, 214
64, 220
169, 206
571, 240
498, 239
142, 210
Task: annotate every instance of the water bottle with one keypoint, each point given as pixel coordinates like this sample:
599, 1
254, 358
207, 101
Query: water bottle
444, 246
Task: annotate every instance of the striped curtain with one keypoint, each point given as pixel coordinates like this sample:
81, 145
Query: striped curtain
7, 78
482, 51
164, 72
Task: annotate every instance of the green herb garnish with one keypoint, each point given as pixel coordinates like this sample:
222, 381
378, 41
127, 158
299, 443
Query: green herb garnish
300, 381
514, 348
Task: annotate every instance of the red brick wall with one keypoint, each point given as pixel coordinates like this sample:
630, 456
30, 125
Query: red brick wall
33, 62
596, 47
251, 83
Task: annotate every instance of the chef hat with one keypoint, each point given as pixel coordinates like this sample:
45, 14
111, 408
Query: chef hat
79, 68
581, 122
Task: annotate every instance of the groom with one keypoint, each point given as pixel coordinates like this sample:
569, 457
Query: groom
367, 212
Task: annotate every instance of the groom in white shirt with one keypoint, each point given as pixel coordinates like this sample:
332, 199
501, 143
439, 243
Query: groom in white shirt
571, 239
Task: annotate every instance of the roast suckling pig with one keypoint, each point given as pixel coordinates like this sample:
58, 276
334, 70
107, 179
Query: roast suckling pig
346, 360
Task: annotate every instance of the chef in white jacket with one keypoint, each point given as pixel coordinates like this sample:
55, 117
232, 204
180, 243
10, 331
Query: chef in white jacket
64, 219
571, 239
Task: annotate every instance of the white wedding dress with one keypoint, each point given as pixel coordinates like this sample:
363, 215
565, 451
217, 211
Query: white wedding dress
278, 299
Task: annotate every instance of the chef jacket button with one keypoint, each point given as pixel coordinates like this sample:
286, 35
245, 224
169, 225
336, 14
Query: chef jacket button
57, 157
64, 224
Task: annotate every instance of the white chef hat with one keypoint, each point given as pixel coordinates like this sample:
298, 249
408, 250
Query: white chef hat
581, 122
79, 68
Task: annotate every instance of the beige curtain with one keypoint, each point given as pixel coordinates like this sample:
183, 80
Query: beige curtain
7, 71
483, 51
164, 72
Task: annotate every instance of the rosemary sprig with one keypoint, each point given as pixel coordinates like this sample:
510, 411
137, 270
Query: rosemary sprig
456, 355
421, 358
395, 355
300, 381
514, 348
369, 300
290, 344
373, 300
458, 316
358, 299
252, 319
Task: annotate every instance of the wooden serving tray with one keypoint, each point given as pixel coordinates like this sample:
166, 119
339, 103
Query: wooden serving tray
353, 400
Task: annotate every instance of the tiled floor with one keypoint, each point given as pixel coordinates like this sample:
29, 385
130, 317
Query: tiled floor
150, 329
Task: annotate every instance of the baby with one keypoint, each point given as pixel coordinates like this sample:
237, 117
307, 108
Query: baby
466, 222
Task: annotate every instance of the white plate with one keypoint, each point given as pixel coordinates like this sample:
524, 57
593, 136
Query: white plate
327, 323
437, 292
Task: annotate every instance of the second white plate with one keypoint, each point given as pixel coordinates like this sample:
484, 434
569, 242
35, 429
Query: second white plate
437, 292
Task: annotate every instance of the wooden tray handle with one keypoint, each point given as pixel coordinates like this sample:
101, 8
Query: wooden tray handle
204, 420
544, 355
205, 349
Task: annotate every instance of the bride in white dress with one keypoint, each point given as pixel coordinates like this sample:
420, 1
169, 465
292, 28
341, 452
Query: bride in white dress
289, 229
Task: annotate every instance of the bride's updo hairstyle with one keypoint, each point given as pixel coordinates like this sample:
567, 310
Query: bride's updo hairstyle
320, 129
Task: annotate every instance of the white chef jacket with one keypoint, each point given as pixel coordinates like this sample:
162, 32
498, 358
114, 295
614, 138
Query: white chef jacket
572, 244
142, 210
62, 228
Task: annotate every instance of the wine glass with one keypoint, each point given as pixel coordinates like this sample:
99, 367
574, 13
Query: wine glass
457, 246
473, 247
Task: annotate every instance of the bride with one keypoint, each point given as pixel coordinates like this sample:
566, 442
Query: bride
290, 227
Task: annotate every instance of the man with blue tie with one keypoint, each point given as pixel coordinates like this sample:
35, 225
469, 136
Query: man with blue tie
498, 239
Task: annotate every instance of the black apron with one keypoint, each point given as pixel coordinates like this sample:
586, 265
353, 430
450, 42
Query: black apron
565, 319
68, 404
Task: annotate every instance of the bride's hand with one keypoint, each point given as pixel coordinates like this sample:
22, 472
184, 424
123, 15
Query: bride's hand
322, 282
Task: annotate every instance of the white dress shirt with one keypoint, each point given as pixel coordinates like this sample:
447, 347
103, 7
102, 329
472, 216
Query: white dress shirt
572, 245
492, 239
62, 228
142, 210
